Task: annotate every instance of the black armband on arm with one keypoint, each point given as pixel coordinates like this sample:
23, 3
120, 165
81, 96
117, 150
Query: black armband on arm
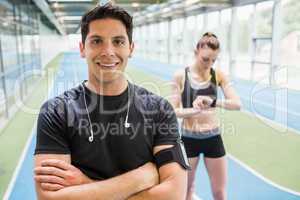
174, 154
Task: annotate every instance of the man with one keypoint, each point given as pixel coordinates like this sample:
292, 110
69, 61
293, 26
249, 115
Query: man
99, 140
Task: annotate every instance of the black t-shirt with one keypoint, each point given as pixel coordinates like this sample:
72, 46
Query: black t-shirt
63, 128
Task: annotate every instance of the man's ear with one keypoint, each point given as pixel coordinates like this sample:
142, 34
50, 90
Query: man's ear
82, 50
196, 52
131, 49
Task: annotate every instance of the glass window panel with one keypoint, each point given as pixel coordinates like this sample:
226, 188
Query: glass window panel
191, 35
9, 52
261, 73
190, 22
244, 17
264, 12
224, 37
243, 70
289, 44
199, 20
224, 64
11, 80
2, 100
174, 24
213, 22
163, 30
263, 50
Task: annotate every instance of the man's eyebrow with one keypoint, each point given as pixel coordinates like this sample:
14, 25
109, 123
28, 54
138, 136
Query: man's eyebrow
119, 37
99, 37
94, 37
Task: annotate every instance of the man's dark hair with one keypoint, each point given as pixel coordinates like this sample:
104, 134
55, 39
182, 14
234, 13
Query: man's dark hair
104, 12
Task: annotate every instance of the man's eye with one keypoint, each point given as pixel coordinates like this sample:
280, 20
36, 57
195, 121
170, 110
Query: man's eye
95, 41
119, 42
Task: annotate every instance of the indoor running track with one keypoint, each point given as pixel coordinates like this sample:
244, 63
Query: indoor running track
242, 184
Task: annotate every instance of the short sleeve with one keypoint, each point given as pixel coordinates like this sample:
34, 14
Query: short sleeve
166, 125
52, 129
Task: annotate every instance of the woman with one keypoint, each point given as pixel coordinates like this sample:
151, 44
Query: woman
195, 100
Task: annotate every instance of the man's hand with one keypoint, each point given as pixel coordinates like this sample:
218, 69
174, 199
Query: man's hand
56, 174
202, 102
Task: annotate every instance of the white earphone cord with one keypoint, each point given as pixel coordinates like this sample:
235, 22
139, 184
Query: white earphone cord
126, 124
91, 138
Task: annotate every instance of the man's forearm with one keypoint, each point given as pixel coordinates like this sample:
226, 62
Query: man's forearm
165, 190
117, 188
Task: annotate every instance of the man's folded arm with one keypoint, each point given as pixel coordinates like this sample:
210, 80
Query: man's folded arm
117, 188
173, 182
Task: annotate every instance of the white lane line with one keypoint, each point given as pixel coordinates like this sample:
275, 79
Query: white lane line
284, 110
270, 121
252, 171
18, 168
195, 197
25, 150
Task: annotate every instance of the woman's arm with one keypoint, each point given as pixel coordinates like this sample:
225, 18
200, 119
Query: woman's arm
232, 100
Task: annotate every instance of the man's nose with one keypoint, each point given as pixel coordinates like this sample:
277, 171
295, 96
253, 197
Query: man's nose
107, 49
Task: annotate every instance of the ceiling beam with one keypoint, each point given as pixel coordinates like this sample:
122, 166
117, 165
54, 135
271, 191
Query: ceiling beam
178, 9
70, 1
46, 10
245, 2
63, 13
129, 5
71, 6
140, 1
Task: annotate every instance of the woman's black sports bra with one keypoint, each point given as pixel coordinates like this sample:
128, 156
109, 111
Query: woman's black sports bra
189, 93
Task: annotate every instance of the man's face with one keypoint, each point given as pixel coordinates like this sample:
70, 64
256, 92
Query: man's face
106, 50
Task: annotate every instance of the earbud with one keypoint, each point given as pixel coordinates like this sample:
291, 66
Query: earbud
127, 125
91, 138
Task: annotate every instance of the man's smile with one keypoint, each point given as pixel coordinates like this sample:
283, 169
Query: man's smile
107, 65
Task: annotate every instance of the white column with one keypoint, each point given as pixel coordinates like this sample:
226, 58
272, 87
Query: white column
276, 34
233, 42
253, 43
169, 40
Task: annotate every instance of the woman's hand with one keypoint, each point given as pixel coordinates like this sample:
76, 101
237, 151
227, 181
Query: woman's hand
202, 102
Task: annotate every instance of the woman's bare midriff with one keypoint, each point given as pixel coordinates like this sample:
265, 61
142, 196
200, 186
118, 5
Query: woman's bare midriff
202, 122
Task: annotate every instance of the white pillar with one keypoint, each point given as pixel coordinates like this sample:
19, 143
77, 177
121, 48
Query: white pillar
253, 43
169, 40
233, 42
276, 34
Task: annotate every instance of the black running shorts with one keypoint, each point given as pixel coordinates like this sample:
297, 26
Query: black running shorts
212, 147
